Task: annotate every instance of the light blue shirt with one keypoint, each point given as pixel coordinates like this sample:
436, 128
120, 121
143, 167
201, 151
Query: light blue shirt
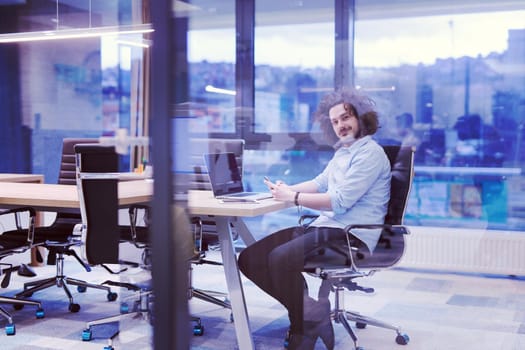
357, 179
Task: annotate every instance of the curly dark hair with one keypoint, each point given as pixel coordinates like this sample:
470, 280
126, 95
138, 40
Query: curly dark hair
360, 105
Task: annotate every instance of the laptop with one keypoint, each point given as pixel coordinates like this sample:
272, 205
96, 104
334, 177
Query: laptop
226, 180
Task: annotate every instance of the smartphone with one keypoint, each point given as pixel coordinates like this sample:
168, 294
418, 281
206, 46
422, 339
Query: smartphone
269, 182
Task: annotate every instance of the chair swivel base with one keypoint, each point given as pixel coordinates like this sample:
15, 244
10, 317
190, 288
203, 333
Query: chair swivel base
141, 309
212, 297
10, 328
63, 281
344, 317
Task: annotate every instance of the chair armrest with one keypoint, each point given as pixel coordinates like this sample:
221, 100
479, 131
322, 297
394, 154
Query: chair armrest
31, 210
31, 222
139, 206
17, 211
133, 217
307, 219
394, 229
198, 252
133, 213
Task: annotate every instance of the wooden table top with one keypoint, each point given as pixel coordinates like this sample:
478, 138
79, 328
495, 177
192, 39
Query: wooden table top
203, 203
37, 178
52, 197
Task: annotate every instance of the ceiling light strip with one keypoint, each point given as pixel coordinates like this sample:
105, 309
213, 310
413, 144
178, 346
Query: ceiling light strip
75, 33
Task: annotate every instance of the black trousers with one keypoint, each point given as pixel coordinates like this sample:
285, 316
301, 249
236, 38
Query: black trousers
276, 262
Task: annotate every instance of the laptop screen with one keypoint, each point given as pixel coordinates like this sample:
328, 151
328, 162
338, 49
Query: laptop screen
225, 177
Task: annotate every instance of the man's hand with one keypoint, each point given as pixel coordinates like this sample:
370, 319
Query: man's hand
281, 191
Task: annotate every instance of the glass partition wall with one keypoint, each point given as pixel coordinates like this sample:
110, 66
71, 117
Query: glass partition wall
447, 83
71, 69
440, 75
447, 78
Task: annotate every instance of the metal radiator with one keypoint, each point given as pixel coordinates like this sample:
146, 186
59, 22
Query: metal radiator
465, 250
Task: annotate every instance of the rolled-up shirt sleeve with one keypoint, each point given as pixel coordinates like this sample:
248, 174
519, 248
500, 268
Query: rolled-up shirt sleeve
362, 173
357, 179
349, 176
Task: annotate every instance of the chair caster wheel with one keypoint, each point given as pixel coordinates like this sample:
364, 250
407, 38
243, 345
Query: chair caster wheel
112, 296
10, 329
74, 307
360, 325
18, 306
198, 330
402, 339
124, 308
231, 317
39, 313
286, 342
109, 347
86, 334
81, 289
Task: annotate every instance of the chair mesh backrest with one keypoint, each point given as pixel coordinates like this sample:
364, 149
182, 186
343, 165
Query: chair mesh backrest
402, 165
390, 247
97, 158
66, 175
100, 202
199, 178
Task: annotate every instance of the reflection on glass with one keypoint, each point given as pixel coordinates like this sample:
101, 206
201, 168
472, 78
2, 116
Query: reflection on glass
455, 79
67, 88
294, 58
211, 56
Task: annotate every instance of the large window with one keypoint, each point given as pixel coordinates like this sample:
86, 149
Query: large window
211, 67
443, 80
447, 84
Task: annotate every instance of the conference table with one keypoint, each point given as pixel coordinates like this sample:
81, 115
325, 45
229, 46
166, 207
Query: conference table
51, 197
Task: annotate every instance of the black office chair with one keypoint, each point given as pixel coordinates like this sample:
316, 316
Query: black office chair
340, 265
102, 234
9, 247
205, 229
59, 239
198, 179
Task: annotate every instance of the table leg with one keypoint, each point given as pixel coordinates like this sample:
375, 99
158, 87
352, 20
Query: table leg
233, 281
39, 221
243, 231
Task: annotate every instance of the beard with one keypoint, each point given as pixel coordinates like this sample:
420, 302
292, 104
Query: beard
345, 140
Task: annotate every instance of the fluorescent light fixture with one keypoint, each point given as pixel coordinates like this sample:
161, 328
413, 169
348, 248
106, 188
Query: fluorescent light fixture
140, 44
75, 33
211, 88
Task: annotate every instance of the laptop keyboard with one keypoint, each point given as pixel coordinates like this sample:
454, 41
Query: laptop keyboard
242, 194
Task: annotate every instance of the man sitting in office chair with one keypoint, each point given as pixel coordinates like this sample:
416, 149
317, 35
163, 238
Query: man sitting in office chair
354, 187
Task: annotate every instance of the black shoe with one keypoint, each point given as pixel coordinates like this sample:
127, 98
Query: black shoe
312, 330
300, 342
318, 322
321, 329
26, 271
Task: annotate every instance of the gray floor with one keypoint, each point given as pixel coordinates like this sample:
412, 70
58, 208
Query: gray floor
437, 310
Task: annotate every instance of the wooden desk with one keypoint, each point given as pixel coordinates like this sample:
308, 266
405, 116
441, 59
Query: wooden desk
49, 197
53, 197
203, 203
